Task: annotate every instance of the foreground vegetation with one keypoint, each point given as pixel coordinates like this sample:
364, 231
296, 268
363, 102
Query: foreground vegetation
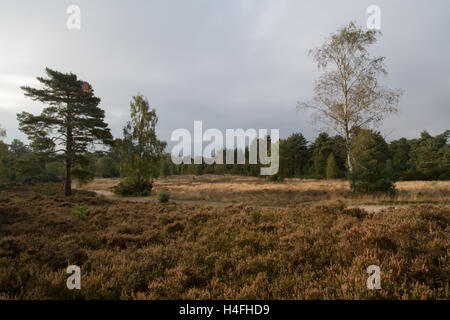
150, 250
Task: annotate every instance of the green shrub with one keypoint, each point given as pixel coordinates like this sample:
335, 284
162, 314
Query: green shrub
81, 209
372, 172
370, 177
163, 196
128, 187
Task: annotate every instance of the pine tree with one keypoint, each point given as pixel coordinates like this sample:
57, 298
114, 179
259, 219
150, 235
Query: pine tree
69, 123
321, 150
373, 170
332, 167
294, 155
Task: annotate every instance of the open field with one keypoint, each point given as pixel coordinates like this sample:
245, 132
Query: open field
225, 189
148, 250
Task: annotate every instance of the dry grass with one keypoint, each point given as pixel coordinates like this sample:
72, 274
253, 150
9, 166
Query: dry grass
168, 251
255, 191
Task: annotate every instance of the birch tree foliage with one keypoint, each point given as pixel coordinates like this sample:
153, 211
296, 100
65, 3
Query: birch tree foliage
140, 151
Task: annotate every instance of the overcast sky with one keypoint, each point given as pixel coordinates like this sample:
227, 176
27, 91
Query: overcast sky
230, 63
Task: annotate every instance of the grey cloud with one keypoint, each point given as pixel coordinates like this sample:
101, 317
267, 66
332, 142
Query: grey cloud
229, 63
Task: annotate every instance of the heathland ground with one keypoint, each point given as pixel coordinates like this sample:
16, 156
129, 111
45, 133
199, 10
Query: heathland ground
225, 237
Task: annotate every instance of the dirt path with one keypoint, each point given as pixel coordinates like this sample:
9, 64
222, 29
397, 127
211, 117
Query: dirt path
375, 208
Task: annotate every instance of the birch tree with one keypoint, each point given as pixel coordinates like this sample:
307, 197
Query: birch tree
348, 94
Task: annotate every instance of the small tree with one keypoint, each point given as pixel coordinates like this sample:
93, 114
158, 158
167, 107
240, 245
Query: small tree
372, 172
347, 94
430, 155
322, 148
71, 120
332, 167
140, 151
294, 156
165, 168
400, 151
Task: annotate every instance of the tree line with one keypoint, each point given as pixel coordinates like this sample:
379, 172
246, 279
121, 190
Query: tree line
424, 158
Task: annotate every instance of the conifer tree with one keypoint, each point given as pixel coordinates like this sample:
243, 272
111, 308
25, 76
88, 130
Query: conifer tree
69, 123
332, 168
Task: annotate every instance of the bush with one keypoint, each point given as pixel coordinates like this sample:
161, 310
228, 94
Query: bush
371, 177
372, 172
128, 187
163, 196
81, 209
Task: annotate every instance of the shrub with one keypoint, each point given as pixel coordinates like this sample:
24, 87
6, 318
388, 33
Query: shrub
371, 177
372, 171
163, 196
128, 187
81, 209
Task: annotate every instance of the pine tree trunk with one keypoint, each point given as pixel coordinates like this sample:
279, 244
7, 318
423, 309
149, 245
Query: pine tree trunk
69, 142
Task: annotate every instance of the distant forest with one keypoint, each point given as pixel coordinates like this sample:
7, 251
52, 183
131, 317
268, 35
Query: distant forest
424, 158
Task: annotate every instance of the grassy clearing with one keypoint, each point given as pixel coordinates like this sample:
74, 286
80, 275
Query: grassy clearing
170, 251
256, 191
